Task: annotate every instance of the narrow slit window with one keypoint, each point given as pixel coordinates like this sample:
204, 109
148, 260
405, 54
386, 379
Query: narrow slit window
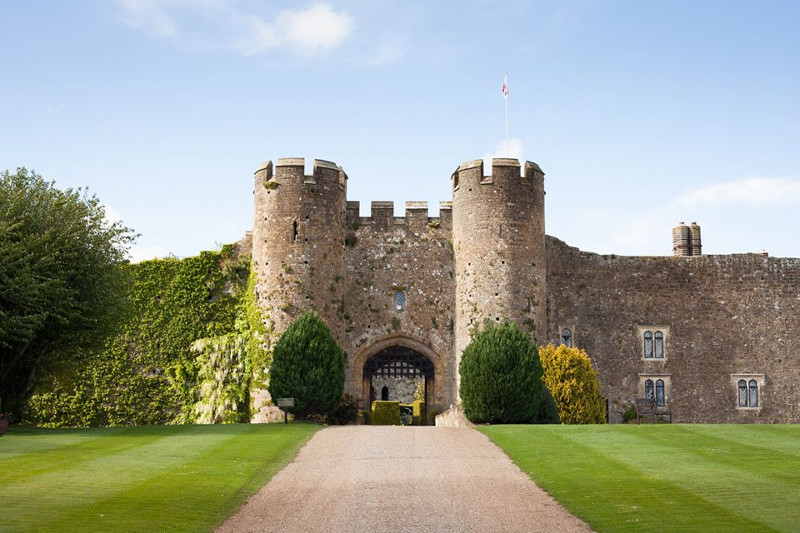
648, 389
294, 230
660, 396
742, 393
399, 300
753, 397
659, 348
566, 337
648, 344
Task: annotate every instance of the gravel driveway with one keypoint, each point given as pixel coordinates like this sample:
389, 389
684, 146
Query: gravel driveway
380, 478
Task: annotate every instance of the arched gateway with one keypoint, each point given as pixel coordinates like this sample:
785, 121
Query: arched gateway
398, 373
402, 365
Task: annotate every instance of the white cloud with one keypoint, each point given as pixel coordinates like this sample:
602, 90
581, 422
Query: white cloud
513, 148
112, 215
225, 23
149, 14
260, 37
315, 29
752, 192
388, 50
726, 210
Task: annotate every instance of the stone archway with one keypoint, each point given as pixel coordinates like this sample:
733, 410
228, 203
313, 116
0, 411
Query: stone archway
433, 366
398, 367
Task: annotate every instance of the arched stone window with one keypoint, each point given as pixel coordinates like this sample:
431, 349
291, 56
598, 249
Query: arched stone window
654, 342
566, 337
385, 394
748, 389
648, 389
648, 344
399, 300
659, 345
743, 393
661, 398
753, 396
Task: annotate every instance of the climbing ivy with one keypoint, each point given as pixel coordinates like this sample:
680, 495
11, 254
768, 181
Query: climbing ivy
184, 354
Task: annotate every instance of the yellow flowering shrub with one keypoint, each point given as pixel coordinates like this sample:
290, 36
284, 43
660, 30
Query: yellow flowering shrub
572, 380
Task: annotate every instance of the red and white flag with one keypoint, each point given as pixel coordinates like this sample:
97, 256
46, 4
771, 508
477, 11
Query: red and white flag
505, 86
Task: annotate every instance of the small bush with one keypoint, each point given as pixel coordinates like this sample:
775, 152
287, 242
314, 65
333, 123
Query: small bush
501, 376
629, 414
346, 412
570, 377
386, 413
367, 417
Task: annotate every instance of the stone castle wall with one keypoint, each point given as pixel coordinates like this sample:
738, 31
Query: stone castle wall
486, 257
384, 255
721, 315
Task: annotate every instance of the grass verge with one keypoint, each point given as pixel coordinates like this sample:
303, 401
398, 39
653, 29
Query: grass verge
155, 478
665, 477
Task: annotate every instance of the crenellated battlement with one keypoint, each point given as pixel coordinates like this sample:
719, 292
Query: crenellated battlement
503, 171
416, 215
292, 169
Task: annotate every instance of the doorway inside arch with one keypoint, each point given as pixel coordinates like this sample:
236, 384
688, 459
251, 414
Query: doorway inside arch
399, 374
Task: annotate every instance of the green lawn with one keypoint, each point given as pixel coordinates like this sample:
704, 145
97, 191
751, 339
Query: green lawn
156, 478
665, 477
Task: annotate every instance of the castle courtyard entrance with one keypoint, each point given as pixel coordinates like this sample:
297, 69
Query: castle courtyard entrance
398, 374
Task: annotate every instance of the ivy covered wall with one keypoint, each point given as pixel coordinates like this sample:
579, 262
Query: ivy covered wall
184, 354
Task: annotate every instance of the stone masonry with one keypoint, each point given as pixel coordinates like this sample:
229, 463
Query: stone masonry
425, 284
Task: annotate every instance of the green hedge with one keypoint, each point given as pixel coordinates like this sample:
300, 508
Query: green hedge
386, 414
420, 412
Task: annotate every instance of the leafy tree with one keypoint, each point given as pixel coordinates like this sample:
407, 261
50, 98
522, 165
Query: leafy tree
570, 377
501, 376
309, 366
61, 284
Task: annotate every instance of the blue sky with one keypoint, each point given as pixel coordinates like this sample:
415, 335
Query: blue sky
641, 114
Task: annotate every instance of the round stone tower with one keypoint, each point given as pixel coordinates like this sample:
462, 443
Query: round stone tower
298, 242
499, 248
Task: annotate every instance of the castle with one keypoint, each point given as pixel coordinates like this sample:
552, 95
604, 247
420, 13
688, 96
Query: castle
714, 338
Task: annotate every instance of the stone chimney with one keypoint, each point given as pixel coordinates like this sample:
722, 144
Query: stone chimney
686, 240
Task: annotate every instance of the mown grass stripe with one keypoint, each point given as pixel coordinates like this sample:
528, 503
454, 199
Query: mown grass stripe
110, 470
676, 456
222, 479
779, 438
51, 459
727, 474
186, 478
635, 478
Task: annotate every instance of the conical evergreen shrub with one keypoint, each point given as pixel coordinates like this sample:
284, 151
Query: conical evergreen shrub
309, 366
501, 376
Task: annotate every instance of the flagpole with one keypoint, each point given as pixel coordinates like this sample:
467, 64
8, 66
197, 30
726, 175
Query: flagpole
505, 102
506, 105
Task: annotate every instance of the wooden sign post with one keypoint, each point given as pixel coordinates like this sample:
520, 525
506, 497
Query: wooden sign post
284, 403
